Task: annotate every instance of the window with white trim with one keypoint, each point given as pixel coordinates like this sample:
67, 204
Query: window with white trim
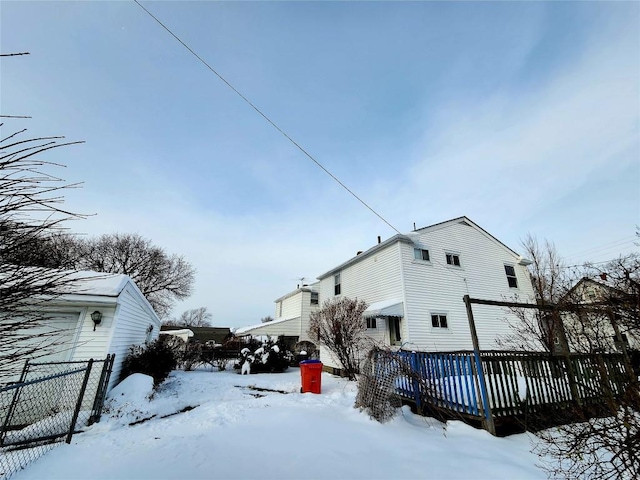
371, 322
421, 254
336, 284
439, 320
511, 276
453, 259
314, 298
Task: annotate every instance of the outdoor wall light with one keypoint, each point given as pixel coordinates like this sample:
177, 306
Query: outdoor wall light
97, 318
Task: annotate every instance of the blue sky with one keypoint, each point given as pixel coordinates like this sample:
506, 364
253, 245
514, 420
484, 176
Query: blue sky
523, 116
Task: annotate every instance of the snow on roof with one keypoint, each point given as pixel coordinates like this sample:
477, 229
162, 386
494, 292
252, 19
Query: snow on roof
180, 331
392, 308
242, 330
97, 283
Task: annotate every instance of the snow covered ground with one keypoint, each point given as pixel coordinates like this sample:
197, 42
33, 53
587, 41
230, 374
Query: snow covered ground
239, 432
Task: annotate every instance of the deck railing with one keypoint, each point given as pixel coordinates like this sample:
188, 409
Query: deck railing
509, 384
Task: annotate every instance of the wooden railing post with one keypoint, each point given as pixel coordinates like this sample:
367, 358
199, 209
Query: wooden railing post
486, 405
415, 368
623, 346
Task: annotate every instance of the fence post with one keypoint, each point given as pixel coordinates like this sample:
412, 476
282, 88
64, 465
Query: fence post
72, 427
104, 384
488, 414
14, 402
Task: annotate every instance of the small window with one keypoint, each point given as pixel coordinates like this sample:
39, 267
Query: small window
511, 276
439, 321
314, 298
371, 322
421, 254
453, 259
336, 284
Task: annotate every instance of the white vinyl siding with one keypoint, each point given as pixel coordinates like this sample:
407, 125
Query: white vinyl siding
291, 306
92, 344
375, 278
441, 288
297, 306
130, 329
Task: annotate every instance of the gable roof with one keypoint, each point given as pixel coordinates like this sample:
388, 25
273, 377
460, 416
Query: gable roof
407, 238
464, 220
86, 285
601, 285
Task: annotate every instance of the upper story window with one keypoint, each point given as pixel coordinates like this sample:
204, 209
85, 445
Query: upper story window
336, 284
453, 259
511, 276
314, 298
439, 320
421, 254
371, 322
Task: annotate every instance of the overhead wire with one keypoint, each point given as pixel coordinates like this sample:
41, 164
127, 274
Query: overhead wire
263, 115
279, 129
606, 246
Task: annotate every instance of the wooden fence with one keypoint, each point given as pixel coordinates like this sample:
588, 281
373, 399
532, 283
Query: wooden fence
500, 385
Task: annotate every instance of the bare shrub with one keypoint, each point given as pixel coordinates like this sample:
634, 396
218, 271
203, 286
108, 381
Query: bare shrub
340, 327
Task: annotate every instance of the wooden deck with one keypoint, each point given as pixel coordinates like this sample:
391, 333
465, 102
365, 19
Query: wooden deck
514, 389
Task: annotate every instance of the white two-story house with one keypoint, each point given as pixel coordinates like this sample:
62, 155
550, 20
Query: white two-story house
415, 283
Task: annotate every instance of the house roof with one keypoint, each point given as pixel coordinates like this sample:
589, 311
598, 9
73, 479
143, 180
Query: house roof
385, 308
100, 287
179, 332
295, 292
97, 283
407, 238
250, 328
602, 285
466, 221
201, 334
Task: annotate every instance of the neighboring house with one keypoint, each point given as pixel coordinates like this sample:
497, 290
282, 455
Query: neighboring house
291, 317
126, 319
415, 283
591, 330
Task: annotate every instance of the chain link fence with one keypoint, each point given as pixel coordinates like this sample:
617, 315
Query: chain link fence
50, 403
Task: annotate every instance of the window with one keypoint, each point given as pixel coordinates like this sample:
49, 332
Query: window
453, 259
511, 276
371, 322
439, 321
314, 298
421, 254
336, 284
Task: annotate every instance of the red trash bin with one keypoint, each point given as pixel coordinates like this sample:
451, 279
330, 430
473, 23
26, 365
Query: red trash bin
311, 376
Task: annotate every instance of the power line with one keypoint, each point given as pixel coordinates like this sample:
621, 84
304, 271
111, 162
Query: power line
263, 115
606, 246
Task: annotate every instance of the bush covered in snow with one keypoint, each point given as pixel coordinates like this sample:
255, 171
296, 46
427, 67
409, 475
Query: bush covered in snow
270, 357
156, 359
